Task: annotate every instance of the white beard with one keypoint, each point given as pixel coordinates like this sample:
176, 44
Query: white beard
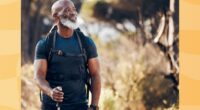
68, 23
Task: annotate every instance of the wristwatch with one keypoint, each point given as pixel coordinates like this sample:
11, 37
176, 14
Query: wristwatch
94, 107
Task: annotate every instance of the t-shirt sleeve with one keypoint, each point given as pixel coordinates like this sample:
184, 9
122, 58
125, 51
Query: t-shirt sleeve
91, 49
40, 50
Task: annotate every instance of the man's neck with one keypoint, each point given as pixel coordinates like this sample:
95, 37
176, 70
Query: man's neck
65, 32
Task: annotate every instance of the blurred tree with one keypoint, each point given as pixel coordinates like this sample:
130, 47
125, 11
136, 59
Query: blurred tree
162, 18
160, 15
25, 30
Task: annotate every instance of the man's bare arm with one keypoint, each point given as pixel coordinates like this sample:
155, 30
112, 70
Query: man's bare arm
40, 71
94, 68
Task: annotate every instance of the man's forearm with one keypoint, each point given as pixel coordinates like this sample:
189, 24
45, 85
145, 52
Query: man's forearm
96, 89
44, 86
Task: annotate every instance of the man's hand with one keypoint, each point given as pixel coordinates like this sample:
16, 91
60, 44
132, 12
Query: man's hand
57, 94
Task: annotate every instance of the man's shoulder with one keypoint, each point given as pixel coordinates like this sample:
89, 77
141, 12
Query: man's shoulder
41, 44
40, 49
90, 47
89, 40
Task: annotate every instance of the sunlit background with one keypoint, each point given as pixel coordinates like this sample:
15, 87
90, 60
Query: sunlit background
137, 42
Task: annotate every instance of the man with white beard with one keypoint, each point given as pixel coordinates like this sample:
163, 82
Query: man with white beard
63, 62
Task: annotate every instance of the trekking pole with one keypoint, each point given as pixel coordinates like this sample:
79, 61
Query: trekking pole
57, 104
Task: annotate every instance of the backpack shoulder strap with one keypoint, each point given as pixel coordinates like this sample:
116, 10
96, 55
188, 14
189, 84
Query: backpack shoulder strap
50, 43
82, 43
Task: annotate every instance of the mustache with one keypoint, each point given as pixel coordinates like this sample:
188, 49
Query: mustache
69, 23
71, 18
68, 15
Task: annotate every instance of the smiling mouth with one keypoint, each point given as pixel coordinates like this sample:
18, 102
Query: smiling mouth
73, 19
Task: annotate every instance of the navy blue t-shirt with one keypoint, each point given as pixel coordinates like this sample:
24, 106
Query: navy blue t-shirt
68, 45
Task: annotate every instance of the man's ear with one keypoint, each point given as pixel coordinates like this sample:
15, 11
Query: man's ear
55, 18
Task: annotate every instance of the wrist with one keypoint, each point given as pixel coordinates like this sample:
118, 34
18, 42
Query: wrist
50, 92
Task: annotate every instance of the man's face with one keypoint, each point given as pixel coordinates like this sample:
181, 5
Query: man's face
68, 12
67, 16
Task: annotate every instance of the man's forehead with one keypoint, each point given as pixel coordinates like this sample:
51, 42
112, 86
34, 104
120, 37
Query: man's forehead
62, 4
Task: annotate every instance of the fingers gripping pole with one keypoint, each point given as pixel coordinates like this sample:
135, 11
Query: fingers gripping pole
57, 104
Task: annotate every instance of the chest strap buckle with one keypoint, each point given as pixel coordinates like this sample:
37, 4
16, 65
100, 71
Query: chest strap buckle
60, 53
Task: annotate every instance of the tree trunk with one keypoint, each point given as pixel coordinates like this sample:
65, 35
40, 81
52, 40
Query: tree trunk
25, 24
35, 30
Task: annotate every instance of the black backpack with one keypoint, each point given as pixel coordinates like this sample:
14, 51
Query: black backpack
50, 45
